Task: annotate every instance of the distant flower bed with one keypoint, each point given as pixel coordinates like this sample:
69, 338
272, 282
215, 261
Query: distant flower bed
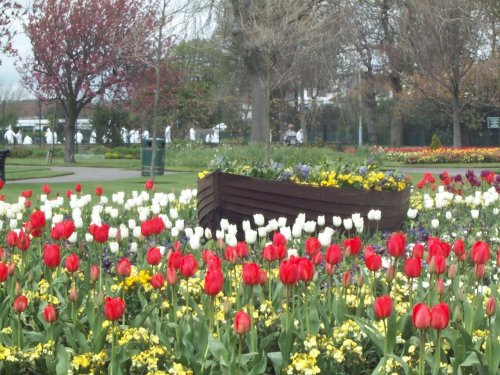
365, 177
421, 155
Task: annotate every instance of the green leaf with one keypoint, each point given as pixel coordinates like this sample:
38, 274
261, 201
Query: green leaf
62, 367
260, 366
492, 355
376, 338
314, 322
218, 350
277, 361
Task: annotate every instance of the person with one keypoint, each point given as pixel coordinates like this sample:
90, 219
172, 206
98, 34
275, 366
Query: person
49, 137
124, 135
300, 136
27, 140
19, 137
9, 135
93, 137
55, 138
168, 134
145, 134
290, 136
79, 137
208, 138
192, 134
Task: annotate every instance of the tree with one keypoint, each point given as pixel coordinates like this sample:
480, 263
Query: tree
84, 49
444, 40
9, 10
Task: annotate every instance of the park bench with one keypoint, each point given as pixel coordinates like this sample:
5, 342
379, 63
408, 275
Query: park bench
3, 156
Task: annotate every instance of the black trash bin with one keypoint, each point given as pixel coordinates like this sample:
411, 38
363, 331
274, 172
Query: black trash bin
147, 155
3, 156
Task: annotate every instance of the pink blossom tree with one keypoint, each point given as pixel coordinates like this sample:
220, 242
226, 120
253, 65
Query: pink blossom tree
9, 10
84, 49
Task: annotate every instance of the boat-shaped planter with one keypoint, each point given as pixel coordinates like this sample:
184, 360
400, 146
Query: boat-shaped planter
237, 198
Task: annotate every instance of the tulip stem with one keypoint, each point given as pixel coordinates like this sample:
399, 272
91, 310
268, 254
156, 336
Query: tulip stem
385, 337
112, 346
437, 360
239, 353
421, 363
19, 332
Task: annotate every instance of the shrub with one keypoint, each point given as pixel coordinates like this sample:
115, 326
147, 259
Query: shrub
435, 142
20, 152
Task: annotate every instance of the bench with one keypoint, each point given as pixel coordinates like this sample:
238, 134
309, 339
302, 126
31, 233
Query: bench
3, 156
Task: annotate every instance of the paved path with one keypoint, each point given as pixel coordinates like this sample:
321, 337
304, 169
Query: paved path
85, 174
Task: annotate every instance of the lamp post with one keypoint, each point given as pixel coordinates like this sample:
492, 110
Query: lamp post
360, 120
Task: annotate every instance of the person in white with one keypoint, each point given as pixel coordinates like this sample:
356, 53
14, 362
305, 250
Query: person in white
215, 137
137, 137
79, 137
131, 136
192, 134
93, 137
27, 140
300, 136
55, 138
208, 138
19, 137
145, 134
124, 135
9, 135
49, 138
168, 134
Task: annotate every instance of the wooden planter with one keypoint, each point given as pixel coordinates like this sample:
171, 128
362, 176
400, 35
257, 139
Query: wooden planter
237, 198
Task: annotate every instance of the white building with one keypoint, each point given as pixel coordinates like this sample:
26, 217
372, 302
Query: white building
34, 123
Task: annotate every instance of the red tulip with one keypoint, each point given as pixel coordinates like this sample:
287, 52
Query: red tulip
4, 272
279, 239
157, 281
98, 190
174, 260
437, 264
440, 286
373, 262
421, 316
329, 269
317, 258
280, 252
23, 241
333, 254
491, 306
2, 252
383, 307
262, 277
413, 267
50, 314
437, 247
72, 262
269, 253
459, 249
480, 252
114, 308
99, 232
63, 230
211, 260
171, 276
242, 249
346, 279
73, 294
27, 193
479, 271
2, 183
213, 282
149, 184
69, 193
396, 245
46, 189
123, 268
94, 273
20, 304
153, 256
289, 272
250, 274
230, 254
452, 271
440, 316
188, 265
37, 219
305, 270
418, 250
242, 323
313, 246
352, 246
78, 188
390, 273
51, 255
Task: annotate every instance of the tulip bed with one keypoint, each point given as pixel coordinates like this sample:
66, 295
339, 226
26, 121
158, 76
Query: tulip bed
92, 284
424, 155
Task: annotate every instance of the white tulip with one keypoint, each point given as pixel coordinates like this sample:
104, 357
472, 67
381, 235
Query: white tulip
347, 223
73, 237
104, 199
78, 222
179, 224
282, 222
496, 211
250, 236
194, 242
337, 221
174, 232
134, 247
174, 214
232, 229
321, 220
273, 224
448, 215
124, 232
371, 215
219, 234
114, 247
474, 214
378, 215
246, 225
224, 224
258, 219
162, 250
412, 213
189, 232
262, 232
325, 239
199, 231
208, 233
89, 237
131, 223
286, 232
13, 223
309, 226
297, 230
435, 223
231, 240
292, 253
112, 232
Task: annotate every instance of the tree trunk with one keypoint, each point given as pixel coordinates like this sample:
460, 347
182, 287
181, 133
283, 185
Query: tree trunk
302, 116
457, 129
260, 107
396, 126
371, 103
69, 134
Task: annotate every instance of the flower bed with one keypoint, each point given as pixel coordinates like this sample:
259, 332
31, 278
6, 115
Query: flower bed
425, 155
131, 284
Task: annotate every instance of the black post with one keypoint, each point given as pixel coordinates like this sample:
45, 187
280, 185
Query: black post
3, 121
40, 121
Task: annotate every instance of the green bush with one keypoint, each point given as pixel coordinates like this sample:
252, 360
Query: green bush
435, 142
20, 152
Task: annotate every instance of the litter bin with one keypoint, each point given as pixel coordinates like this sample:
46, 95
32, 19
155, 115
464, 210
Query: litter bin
147, 155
